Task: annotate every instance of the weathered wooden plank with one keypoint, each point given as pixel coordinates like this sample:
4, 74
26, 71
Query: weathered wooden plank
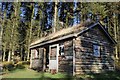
68, 48
87, 71
84, 58
89, 67
68, 43
64, 63
91, 63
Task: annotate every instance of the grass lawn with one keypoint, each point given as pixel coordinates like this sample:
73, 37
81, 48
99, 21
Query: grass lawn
28, 73
34, 75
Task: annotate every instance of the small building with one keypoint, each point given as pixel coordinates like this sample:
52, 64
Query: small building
84, 48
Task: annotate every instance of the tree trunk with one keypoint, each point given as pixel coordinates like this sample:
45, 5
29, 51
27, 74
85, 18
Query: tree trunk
115, 36
1, 33
21, 54
30, 34
1, 36
4, 50
12, 35
118, 35
55, 17
11, 50
9, 56
12, 56
29, 40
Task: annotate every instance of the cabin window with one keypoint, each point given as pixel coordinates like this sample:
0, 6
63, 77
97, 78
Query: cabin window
36, 54
96, 50
61, 51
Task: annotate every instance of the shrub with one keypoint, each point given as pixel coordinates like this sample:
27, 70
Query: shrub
117, 65
19, 65
8, 66
16, 59
25, 62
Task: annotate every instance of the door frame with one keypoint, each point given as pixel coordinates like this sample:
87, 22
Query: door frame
55, 45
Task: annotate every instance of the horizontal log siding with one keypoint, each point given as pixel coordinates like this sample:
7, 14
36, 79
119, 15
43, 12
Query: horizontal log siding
85, 62
37, 63
66, 62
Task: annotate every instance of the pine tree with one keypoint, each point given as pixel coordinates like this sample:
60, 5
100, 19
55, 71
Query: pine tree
29, 32
114, 30
55, 16
3, 27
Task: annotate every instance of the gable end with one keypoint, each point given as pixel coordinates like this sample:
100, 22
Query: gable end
99, 25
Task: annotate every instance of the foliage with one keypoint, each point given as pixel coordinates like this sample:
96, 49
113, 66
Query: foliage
16, 59
8, 66
25, 62
117, 65
20, 65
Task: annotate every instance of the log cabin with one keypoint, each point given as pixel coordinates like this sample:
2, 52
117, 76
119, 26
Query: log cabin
84, 48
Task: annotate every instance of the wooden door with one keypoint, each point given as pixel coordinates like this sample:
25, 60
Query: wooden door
53, 57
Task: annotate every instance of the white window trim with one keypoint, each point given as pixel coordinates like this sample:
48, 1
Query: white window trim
98, 50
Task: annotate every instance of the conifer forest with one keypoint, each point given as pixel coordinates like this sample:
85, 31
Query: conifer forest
21, 23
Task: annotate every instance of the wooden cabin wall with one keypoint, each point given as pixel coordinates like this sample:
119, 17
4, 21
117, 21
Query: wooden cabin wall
66, 61
85, 62
37, 62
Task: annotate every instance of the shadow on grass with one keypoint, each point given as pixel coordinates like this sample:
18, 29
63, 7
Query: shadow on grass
110, 75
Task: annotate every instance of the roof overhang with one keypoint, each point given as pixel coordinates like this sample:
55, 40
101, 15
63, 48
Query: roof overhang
54, 40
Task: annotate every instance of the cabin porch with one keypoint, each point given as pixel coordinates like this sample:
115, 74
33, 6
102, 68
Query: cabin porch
52, 58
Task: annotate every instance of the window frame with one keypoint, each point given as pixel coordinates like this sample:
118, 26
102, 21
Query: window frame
61, 50
98, 48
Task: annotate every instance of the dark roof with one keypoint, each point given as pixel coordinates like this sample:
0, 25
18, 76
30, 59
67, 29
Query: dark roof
69, 33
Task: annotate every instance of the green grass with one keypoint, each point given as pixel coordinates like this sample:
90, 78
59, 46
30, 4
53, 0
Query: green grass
28, 73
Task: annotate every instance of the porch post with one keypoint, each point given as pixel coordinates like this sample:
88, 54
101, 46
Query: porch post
73, 56
44, 60
31, 51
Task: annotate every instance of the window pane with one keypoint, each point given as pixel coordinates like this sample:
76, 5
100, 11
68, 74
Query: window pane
96, 50
61, 50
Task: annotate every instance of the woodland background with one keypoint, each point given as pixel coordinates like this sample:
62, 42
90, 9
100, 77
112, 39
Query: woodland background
24, 22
